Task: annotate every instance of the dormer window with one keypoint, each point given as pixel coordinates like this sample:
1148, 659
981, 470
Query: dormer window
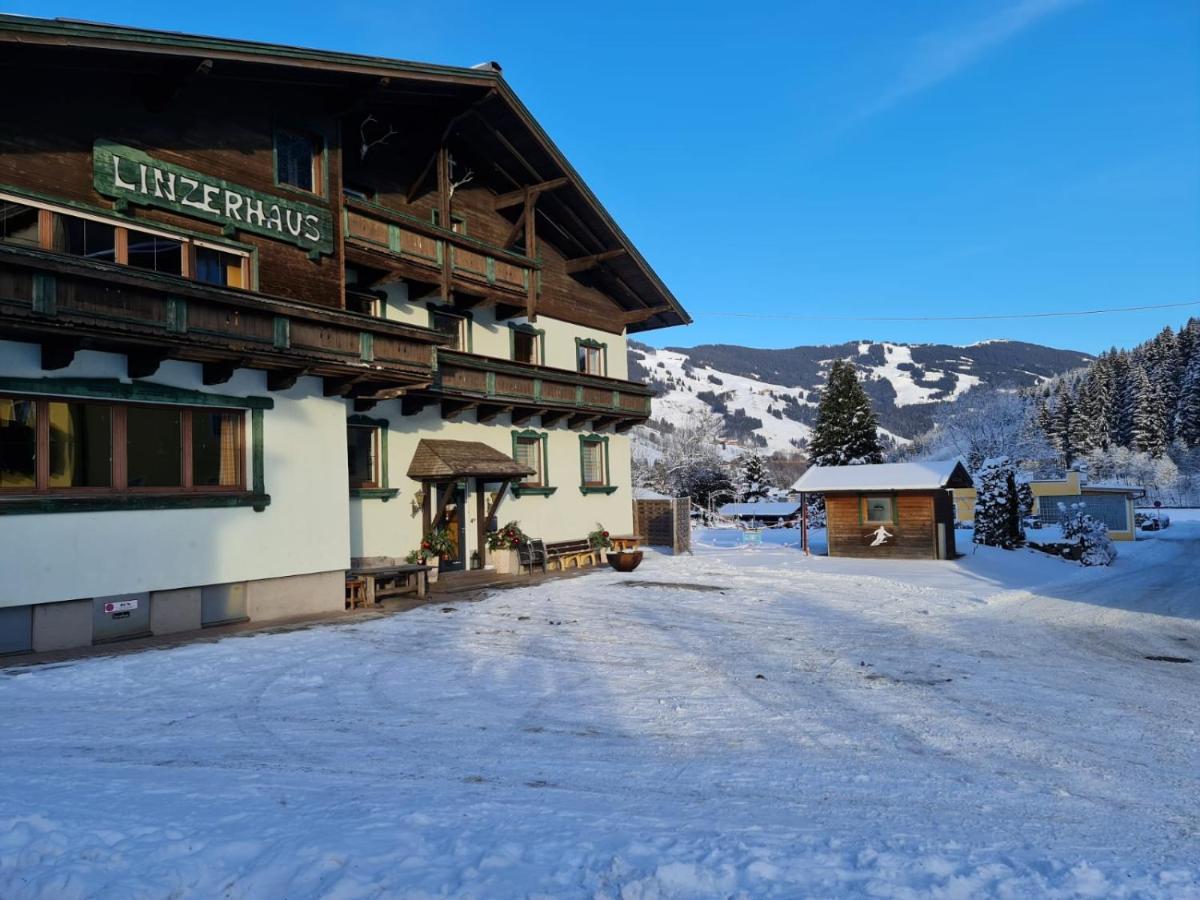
298, 158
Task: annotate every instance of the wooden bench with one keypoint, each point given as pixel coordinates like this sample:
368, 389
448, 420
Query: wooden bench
385, 579
567, 552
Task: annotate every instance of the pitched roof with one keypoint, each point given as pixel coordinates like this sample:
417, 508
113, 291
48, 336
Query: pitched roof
441, 460
912, 476
497, 119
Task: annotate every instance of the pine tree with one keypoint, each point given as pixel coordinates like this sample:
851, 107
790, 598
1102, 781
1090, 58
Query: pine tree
1060, 414
752, 479
1089, 424
1150, 429
998, 505
1187, 410
846, 432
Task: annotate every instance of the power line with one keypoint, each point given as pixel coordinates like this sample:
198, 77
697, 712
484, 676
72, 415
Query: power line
1042, 315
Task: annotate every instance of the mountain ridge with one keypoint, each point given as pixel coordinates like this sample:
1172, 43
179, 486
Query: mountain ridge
768, 397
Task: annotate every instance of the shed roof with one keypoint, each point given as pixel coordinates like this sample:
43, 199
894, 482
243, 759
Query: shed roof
769, 510
435, 460
912, 476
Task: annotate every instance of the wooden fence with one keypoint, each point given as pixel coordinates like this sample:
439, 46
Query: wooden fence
664, 523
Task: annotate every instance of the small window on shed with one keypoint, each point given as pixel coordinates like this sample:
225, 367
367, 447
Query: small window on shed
879, 509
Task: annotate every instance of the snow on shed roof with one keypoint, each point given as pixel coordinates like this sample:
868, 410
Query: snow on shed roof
770, 510
911, 476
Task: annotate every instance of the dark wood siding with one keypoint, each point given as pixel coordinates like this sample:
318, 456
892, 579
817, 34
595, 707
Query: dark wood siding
913, 534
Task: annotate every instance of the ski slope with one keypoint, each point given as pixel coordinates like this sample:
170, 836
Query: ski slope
746, 722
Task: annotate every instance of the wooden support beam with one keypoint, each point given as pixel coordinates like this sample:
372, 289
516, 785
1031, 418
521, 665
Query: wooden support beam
143, 363
285, 379
518, 228
452, 409
340, 387
364, 404
578, 420
531, 250
492, 510
512, 198
635, 316
218, 372
58, 354
480, 524
441, 510
486, 412
551, 418
522, 415
508, 310
411, 406
583, 263
625, 425
602, 422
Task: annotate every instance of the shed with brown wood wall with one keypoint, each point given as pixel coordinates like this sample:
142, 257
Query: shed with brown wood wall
890, 510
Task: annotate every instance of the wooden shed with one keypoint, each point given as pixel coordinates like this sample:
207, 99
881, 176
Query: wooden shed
890, 510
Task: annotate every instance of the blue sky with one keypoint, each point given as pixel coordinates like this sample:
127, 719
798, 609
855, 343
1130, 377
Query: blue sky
840, 158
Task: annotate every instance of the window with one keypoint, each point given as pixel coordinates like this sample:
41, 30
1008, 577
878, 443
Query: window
84, 237
18, 443
593, 465
590, 356
157, 254
879, 509
362, 443
97, 446
80, 445
530, 449
19, 224
457, 223
364, 302
220, 267
52, 228
525, 346
298, 160
452, 325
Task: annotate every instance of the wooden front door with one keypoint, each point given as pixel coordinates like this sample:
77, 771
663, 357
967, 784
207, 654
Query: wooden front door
455, 523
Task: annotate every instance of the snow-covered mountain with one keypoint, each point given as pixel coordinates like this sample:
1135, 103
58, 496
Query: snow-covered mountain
769, 397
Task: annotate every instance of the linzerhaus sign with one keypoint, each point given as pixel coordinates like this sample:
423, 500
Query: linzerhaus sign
124, 173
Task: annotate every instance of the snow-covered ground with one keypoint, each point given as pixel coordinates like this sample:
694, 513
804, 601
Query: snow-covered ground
811, 727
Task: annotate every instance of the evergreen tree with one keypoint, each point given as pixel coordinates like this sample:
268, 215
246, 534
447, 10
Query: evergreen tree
998, 505
1150, 428
752, 479
1059, 416
1187, 410
846, 432
1089, 424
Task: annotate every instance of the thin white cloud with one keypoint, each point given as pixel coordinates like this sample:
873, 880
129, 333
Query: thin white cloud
943, 55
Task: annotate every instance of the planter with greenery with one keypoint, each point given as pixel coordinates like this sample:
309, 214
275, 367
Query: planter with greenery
502, 547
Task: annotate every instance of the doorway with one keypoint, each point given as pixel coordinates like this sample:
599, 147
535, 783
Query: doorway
455, 522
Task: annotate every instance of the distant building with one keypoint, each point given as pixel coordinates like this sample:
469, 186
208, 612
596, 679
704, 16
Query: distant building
1110, 503
764, 512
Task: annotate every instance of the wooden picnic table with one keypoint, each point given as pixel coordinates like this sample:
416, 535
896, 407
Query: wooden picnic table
626, 541
390, 580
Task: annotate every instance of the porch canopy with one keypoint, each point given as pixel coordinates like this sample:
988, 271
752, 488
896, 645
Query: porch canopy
442, 462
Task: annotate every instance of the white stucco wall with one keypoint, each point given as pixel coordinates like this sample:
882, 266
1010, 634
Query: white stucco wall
60, 556
491, 338
394, 528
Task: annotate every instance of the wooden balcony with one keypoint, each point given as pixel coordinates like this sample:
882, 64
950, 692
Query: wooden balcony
66, 304
490, 387
377, 235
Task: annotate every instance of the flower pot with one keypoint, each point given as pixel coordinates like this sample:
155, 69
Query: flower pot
432, 574
626, 560
505, 561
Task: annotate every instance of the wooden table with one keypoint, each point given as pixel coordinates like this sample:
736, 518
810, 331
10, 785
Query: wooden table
626, 541
392, 580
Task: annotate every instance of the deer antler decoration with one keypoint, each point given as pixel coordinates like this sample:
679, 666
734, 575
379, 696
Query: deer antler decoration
367, 145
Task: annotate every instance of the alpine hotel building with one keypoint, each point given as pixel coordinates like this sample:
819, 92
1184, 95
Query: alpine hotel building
246, 290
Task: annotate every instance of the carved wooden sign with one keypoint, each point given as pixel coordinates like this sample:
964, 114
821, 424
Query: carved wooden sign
127, 174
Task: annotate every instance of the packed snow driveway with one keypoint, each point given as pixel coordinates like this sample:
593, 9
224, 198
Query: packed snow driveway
813, 727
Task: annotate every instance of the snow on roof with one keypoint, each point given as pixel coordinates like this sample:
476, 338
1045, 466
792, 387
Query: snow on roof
641, 493
910, 476
750, 510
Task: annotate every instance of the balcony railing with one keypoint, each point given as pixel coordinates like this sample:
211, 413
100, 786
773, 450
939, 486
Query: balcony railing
422, 244
491, 386
67, 303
